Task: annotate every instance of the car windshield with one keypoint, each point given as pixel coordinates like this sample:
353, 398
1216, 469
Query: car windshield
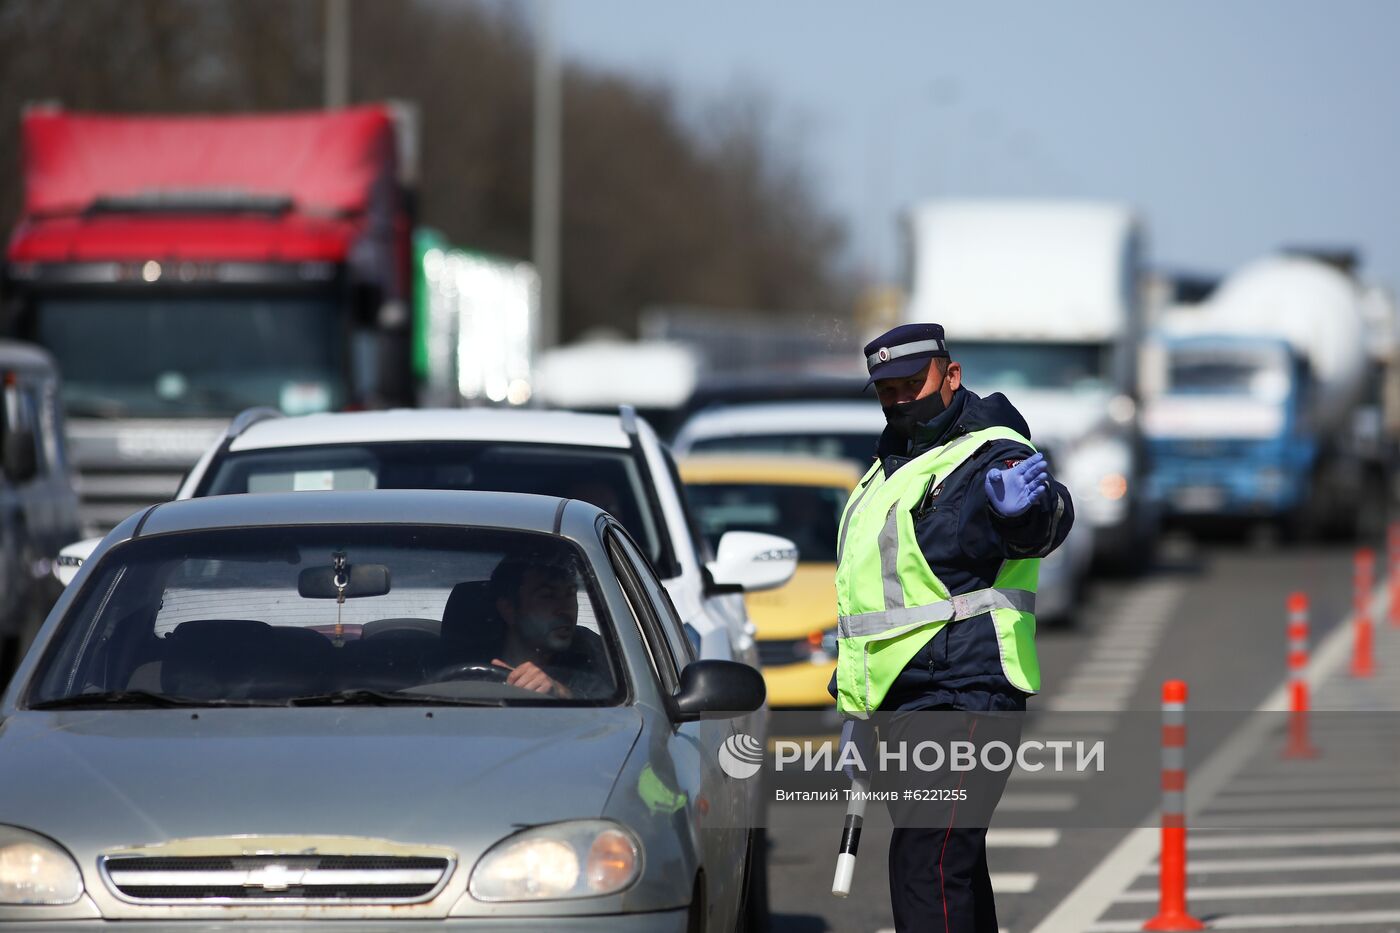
808, 515
606, 478
124, 356
998, 366
858, 447
442, 614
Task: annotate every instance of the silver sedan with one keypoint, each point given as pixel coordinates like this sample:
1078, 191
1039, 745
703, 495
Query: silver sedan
473, 708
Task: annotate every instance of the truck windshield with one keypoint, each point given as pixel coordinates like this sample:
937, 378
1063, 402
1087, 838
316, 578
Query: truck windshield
1033, 365
1233, 371
162, 355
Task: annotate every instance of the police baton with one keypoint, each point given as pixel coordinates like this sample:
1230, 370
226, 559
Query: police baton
859, 733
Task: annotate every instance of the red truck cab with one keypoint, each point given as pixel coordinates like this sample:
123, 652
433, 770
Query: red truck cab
183, 268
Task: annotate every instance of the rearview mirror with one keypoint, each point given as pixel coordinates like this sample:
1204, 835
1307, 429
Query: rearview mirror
748, 561
359, 579
70, 559
716, 689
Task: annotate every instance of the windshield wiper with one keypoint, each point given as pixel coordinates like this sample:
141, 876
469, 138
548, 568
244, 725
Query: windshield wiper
137, 698
389, 698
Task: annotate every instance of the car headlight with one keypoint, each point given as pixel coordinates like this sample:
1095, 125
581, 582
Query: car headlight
583, 858
35, 870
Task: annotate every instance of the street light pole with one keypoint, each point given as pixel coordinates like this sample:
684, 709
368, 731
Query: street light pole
545, 198
336, 67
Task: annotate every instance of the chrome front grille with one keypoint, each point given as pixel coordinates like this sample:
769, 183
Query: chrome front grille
340, 879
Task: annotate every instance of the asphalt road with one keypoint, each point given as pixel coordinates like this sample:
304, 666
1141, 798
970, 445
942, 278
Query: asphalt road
1212, 614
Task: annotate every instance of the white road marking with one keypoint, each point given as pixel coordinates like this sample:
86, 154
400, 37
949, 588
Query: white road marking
1037, 803
1381, 780
1013, 882
1251, 891
1329, 819
1096, 891
1268, 921
1319, 799
1362, 837
1309, 863
1050, 774
1022, 838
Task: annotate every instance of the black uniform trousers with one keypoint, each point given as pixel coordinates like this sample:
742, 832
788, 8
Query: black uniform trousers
939, 879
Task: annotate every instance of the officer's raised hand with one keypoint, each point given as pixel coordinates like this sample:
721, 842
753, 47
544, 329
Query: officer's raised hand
1014, 490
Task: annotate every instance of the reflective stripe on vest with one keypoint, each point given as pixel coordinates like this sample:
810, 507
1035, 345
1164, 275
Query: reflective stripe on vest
964, 606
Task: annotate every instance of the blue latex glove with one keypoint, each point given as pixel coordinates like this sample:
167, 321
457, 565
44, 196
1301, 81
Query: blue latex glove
862, 734
1013, 491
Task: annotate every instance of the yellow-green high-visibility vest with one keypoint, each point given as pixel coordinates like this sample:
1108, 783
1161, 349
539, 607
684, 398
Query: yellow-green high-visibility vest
890, 602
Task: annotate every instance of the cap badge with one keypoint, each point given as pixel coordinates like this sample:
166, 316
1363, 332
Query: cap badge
884, 354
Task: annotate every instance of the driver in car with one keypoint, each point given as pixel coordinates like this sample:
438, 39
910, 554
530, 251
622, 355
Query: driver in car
543, 648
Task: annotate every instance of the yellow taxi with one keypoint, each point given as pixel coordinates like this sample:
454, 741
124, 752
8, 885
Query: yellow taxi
800, 498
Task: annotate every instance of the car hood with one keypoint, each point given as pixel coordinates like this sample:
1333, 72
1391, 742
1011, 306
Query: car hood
456, 777
805, 604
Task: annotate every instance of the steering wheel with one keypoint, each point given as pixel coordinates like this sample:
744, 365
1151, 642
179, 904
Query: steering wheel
472, 670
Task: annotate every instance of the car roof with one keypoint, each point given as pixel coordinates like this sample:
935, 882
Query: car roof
375, 507
770, 469
18, 354
853, 417
442, 424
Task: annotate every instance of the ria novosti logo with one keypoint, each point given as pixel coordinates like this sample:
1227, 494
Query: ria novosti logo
741, 756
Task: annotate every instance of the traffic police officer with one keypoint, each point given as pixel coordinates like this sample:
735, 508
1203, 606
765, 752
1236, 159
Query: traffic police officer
938, 555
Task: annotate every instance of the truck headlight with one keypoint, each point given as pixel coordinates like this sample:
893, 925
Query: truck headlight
582, 858
35, 870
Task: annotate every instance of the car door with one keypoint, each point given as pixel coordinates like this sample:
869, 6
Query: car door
722, 808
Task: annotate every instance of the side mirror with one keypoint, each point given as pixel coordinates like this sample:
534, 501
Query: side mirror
717, 690
748, 561
71, 558
20, 461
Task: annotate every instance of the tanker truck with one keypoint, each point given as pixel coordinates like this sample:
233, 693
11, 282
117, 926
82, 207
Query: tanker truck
1264, 402
1043, 301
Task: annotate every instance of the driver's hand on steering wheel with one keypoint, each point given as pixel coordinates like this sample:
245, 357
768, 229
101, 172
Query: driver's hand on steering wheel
528, 676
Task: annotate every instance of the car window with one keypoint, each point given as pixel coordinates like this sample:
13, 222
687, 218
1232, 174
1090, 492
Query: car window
607, 478
681, 647
644, 610
808, 515
252, 614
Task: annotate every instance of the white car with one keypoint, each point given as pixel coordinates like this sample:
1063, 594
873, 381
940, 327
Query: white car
614, 461
851, 430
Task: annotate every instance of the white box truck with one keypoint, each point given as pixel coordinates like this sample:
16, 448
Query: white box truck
1042, 301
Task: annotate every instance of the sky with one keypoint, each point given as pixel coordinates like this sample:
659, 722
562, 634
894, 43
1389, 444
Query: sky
1233, 127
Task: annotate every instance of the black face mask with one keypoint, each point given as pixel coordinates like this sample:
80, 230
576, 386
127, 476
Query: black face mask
904, 416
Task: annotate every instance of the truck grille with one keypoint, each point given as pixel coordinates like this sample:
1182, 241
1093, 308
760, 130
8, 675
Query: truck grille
371, 879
